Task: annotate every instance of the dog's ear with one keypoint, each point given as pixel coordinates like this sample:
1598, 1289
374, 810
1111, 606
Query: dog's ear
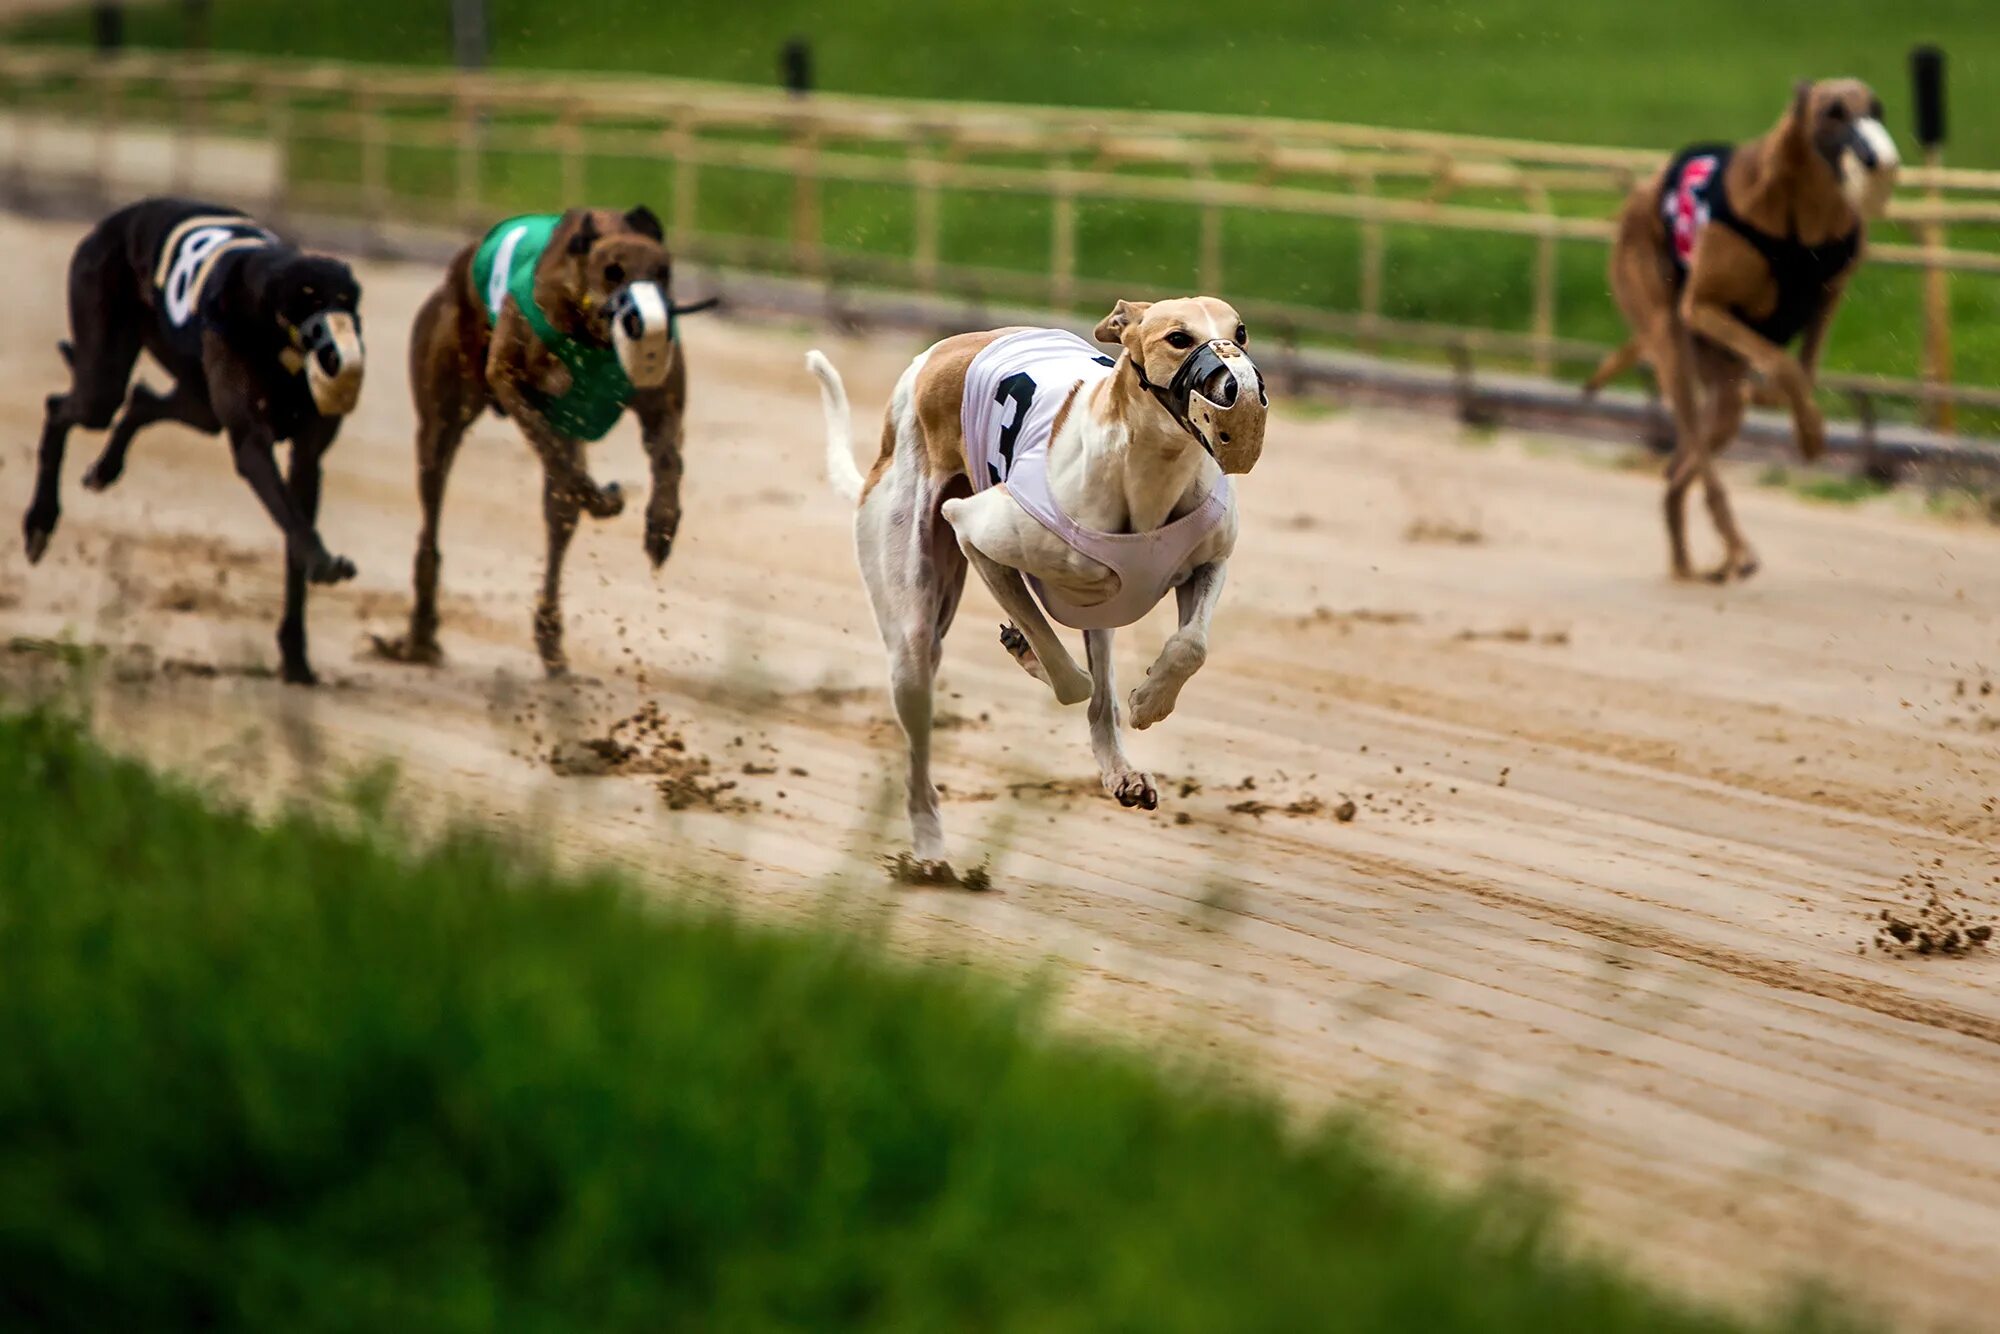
1125, 315
643, 221
585, 235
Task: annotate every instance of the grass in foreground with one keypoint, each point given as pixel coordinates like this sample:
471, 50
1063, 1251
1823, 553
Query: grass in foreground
285, 1077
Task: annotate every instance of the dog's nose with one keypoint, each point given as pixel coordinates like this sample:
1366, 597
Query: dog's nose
1219, 387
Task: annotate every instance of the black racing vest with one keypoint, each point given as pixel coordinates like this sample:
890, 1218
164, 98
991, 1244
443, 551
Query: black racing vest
1693, 193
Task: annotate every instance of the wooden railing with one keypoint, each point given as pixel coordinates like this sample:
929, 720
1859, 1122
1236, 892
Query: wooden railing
749, 177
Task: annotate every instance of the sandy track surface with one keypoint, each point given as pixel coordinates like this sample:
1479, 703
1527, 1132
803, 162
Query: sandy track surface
1605, 912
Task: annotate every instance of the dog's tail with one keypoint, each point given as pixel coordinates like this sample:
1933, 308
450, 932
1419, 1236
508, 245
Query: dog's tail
1615, 363
840, 466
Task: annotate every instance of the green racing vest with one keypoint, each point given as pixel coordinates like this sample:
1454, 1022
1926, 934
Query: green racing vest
504, 266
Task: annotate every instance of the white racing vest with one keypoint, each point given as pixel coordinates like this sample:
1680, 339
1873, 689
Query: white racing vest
1014, 390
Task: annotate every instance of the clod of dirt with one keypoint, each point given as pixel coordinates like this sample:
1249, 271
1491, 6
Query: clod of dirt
1937, 927
905, 869
640, 743
1254, 808
1444, 532
1345, 812
691, 787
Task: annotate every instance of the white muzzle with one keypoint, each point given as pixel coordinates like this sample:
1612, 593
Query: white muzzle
642, 333
1868, 167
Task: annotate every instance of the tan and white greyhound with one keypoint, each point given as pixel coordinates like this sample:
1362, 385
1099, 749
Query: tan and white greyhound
1039, 461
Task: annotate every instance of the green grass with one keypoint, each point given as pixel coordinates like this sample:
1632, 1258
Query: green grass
1574, 70
279, 1076
1827, 488
1571, 70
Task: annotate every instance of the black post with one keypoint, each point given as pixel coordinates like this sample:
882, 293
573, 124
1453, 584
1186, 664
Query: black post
795, 66
108, 23
196, 12
469, 48
1927, 80
1927, 84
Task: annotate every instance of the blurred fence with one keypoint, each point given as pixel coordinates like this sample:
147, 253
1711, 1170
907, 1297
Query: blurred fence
1388, 240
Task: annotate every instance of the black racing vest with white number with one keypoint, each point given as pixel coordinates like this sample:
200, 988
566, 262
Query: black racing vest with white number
192, 272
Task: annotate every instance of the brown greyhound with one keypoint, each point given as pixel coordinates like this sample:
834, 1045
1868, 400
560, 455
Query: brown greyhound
561, 322
1708, 303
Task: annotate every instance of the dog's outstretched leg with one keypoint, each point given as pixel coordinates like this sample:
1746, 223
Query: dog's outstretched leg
184, 404
561, 506
659, 412
1127, 785
1185, 650
302, 483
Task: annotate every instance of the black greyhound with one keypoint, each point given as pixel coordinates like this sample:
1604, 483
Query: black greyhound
262, 341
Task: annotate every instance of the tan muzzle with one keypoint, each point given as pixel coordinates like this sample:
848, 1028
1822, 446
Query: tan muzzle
1227, 407
335, 362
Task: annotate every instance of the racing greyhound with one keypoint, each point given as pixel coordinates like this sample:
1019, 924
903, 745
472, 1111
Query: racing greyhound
561, 322
1093, 484
262, 341
1726, 257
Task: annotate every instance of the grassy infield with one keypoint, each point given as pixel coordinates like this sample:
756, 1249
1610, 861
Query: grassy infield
1577, 70
282, 1076
285, 1076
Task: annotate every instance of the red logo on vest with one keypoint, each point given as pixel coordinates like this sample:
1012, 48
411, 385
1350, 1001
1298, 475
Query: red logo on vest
1687, 206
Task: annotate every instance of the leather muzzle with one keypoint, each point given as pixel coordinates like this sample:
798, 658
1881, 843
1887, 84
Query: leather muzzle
1218, 397
330, 345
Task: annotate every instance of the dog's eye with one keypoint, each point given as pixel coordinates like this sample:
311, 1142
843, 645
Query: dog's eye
1838, 111
1180, 338
1875, 109
614, 274
1242, 336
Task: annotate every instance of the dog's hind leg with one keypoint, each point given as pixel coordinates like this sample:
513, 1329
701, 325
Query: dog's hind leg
185, 404
105, 321
302, 483
449, 395
1126, 784
1726, 404
914, 572
1671, 359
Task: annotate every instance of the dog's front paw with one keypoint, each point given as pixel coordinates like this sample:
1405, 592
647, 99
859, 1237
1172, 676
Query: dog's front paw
1132, 790
420, 652
1023, 652
660, 542
102, 474
1812, 433
36, 529
327, 568
608, 503
1152, 702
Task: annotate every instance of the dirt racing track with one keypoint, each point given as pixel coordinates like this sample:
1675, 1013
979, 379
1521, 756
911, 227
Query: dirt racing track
1607, 908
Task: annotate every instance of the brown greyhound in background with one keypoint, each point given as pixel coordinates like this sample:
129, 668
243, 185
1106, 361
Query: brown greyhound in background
561, 322
1708, 303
